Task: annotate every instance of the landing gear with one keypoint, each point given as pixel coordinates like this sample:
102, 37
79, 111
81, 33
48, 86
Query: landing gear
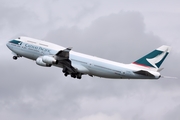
64, 70
79, 76
73, 75
66, 74
15, 57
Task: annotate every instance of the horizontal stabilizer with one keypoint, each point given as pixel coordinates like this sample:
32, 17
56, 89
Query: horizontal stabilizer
143, 72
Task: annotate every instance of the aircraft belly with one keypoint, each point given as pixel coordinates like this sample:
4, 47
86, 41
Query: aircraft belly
127, 74
104, 73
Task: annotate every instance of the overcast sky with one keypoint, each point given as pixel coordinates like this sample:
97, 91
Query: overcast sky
119, 30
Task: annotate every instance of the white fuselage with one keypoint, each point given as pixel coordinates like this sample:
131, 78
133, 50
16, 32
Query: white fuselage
86, 64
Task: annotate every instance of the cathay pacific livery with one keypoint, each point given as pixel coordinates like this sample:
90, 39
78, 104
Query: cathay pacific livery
77, 64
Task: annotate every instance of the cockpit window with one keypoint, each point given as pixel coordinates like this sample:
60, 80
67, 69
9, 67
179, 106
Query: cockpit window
16, 42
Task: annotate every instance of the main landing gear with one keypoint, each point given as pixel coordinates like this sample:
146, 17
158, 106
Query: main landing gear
73, 75
78, 75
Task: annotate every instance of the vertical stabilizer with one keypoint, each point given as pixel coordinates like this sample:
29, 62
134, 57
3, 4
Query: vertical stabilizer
155, 58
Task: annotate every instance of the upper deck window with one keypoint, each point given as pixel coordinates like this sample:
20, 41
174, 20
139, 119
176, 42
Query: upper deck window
43, 44
31, 41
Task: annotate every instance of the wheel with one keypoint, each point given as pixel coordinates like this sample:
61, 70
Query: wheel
66, 74
15, 57
79, 76
73, 75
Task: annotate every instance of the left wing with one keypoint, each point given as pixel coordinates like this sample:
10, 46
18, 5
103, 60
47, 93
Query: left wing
63, 54
62, 58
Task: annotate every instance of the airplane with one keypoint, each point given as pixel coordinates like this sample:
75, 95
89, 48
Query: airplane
77, 64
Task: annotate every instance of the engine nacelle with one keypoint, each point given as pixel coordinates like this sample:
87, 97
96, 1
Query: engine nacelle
48, 59
40, 62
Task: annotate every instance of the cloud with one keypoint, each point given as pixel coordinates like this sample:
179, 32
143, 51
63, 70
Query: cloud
107, 35
101, 116
28, 91
173, 114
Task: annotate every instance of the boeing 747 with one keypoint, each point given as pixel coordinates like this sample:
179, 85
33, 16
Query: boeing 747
77, 64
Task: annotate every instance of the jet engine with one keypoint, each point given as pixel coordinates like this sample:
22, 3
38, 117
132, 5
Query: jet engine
49, 60
40, 62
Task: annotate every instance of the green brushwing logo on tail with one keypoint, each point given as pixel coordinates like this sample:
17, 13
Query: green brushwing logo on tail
153, 59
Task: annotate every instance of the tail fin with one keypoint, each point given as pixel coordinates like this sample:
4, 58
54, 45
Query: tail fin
155, 58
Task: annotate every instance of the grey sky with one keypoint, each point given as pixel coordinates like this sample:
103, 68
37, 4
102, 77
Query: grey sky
118, 30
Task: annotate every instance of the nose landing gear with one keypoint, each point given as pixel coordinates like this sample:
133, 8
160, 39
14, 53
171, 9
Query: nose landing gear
15, 57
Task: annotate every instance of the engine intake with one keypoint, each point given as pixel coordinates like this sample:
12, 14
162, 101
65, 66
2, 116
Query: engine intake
49, 60
40, 62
